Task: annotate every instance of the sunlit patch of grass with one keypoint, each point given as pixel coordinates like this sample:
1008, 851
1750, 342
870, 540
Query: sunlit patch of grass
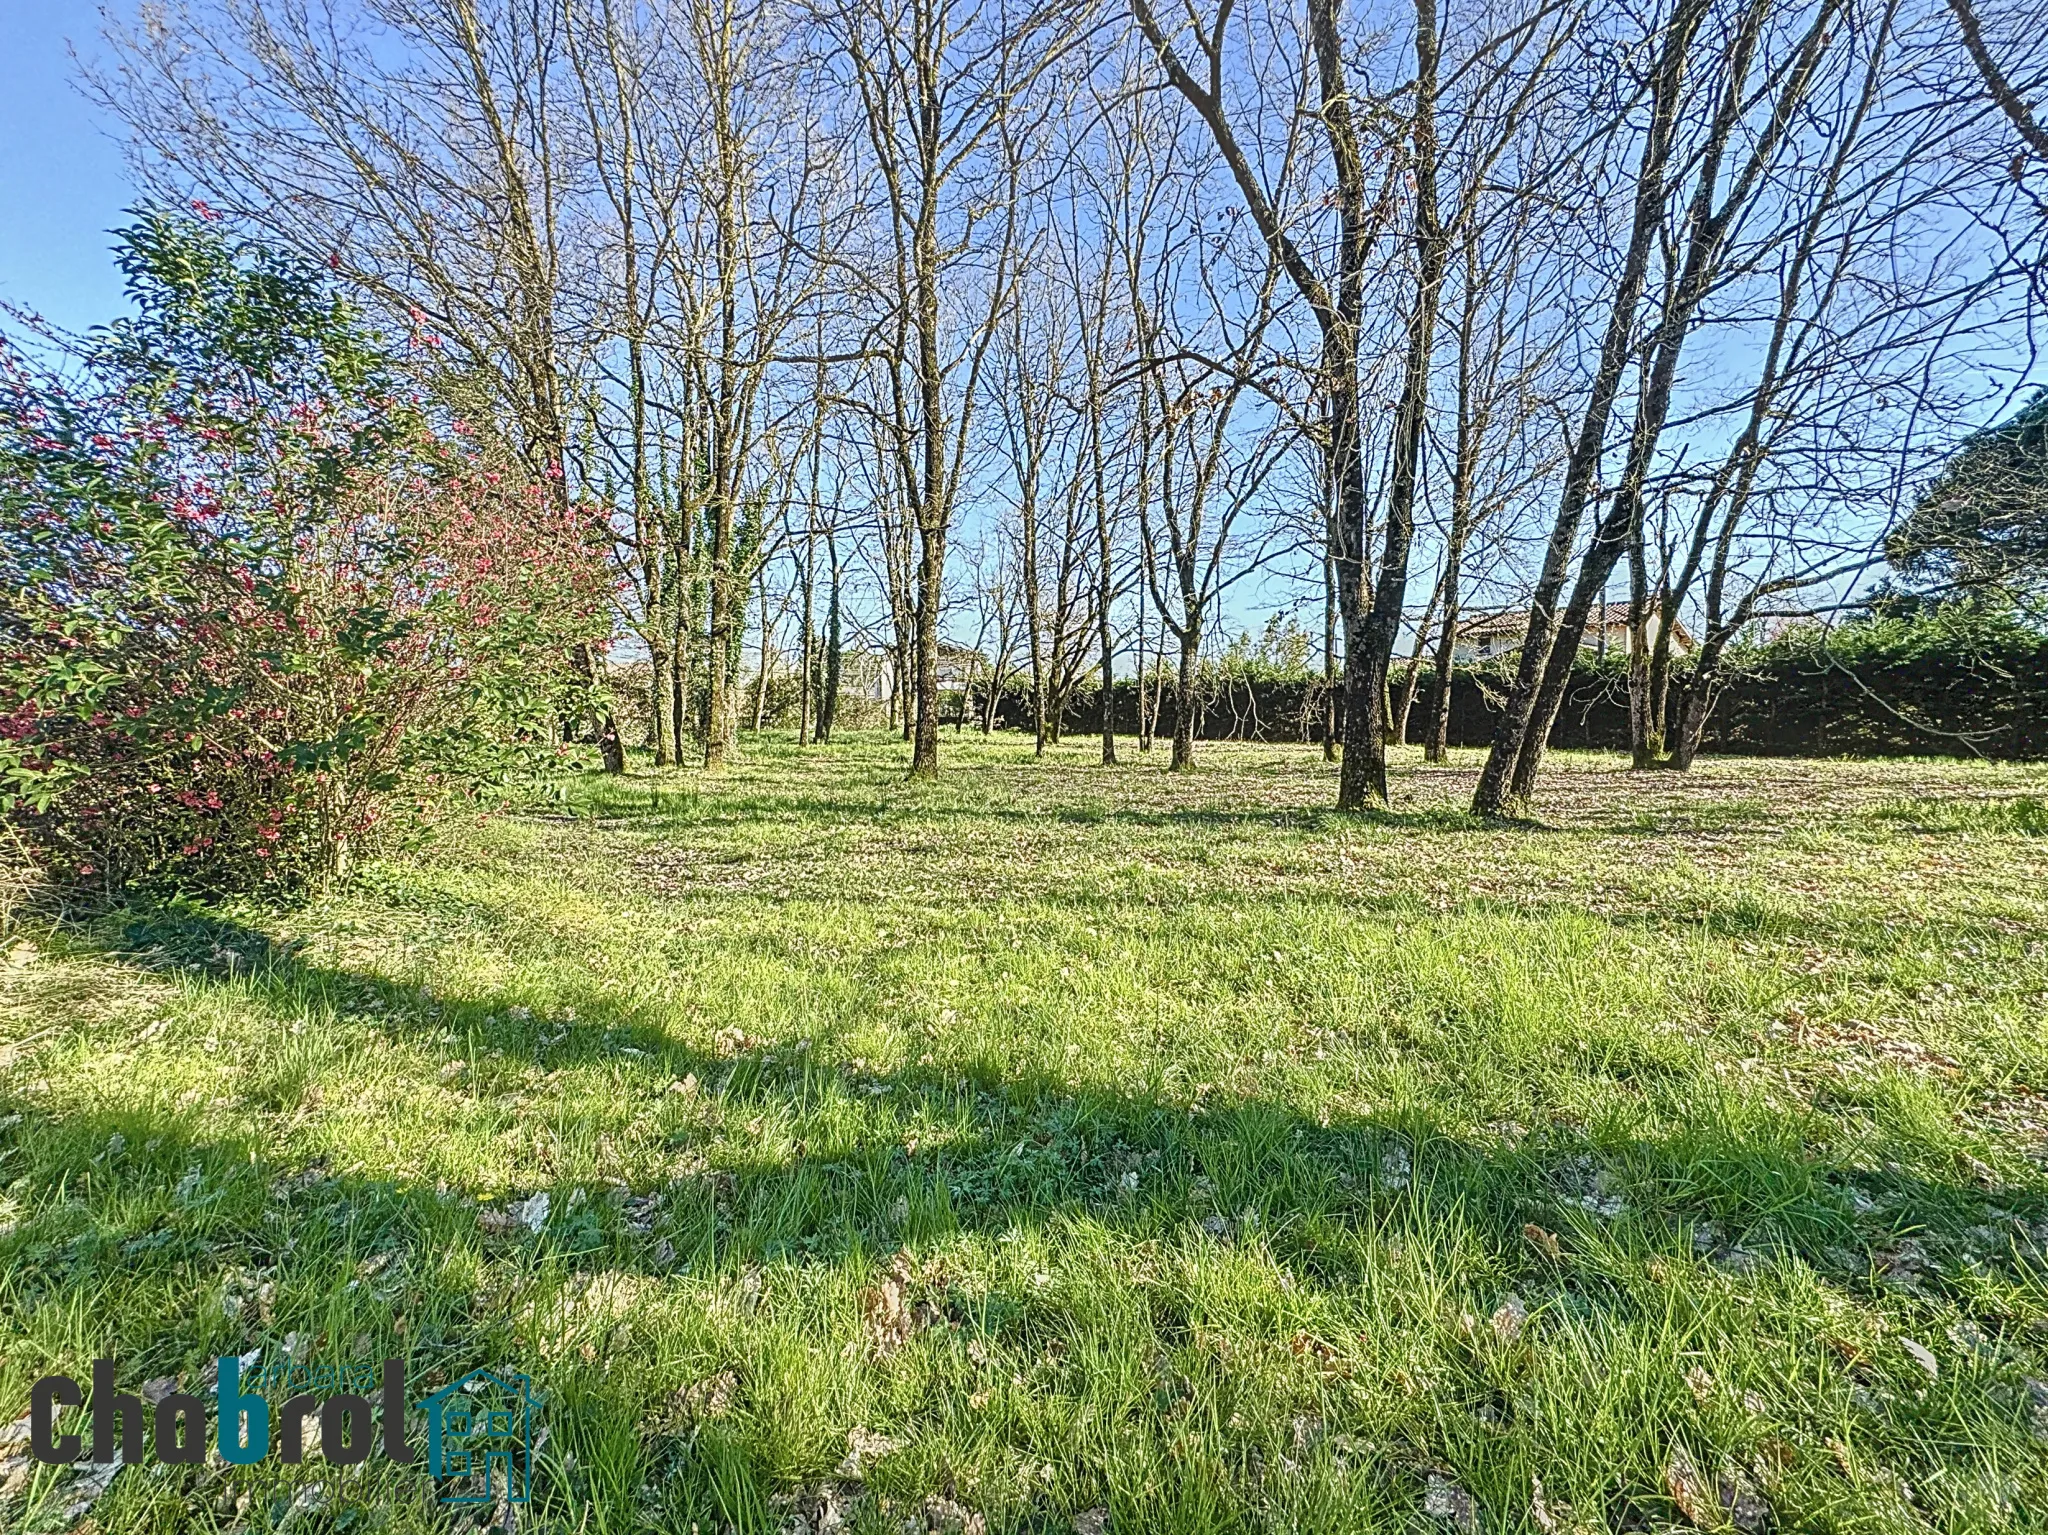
1710, 815
1082, 1138
2023, 815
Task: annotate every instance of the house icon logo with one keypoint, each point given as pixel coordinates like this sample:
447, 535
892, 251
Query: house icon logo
480, 1438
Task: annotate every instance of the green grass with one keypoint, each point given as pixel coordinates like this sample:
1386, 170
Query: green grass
1072, 1139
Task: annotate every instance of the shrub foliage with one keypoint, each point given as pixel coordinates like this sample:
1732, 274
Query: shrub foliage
1982, 527
257, 596
1954, 678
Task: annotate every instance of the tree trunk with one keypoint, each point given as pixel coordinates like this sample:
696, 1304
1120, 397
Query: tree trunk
681, 637
1108, 686
1371, 634
1602, 556
924, 751
1362, 769
1497, 792
1692, 725
1147, 718
807, 663
1436, 746
828, 687
603, 726
1329, 659
660, 691
1697, 701
1398, 736
721, 709
1158, 684
761, 691
1645, 737
1184, 699
1056, 695
679, 679
1105, 585
1034, 618
903, 687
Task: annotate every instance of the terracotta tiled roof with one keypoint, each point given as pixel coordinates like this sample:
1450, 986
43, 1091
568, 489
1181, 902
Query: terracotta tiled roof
1489, 625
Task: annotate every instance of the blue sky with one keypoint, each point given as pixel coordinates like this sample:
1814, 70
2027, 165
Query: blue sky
62, 184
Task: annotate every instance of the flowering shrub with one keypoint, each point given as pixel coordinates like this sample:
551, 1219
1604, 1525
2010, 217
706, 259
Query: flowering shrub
255, 601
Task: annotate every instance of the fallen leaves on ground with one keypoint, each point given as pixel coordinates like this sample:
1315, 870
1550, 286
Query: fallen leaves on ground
889, 1318
862, 1446
1923, 1356
1722, 1502
1446, 1500
520, 1214
710, 1397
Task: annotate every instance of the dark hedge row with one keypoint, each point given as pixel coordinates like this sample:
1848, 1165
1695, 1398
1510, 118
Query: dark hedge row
1925, 687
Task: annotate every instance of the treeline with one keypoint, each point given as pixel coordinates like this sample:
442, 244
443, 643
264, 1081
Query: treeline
1048, 332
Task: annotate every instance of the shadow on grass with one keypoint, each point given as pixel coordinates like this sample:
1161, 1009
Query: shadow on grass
1723, 1201
629, 806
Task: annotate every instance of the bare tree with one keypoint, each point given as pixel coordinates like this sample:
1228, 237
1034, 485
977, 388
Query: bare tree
1997, 82
748, 254
998, 619
427, 173
1500, 447
1337, 302
1208, 471
1089, 271
937, 83
1667, 52
1046, 450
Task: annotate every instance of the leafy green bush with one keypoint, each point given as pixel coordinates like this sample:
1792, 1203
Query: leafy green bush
255, 596
1957, 678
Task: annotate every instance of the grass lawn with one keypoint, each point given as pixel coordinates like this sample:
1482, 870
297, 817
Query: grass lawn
1060, 1148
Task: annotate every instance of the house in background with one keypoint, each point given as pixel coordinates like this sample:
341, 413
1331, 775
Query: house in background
1488, 635
959, 667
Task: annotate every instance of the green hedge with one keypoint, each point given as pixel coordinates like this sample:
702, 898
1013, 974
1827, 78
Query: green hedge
1951, 682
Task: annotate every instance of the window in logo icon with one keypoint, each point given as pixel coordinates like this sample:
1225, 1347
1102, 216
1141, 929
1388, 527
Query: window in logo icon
480, 1438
